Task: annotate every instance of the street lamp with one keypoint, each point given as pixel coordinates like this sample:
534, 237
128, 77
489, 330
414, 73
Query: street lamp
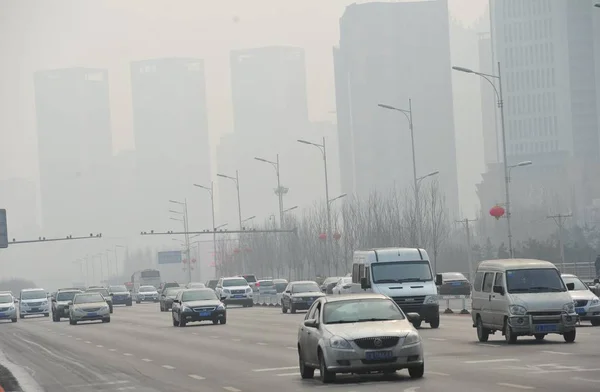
338, 197
520, 164
223, 225
280, 191
433, 173
409, 116
186, 229
236, 180
212, 202
248, 219
499, 96
290, 209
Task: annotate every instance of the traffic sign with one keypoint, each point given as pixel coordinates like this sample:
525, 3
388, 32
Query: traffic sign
3, 229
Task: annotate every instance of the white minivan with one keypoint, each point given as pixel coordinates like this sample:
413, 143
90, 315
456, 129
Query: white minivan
521, 297
404, 275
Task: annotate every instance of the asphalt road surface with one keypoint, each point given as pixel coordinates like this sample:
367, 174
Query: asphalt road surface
141, 351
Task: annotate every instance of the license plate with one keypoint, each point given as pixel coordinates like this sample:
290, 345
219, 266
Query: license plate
35, 309
91, 314
309, 302
375, 355
455, 283
546, 328
2, 314
580, 310
204, 314
238, 296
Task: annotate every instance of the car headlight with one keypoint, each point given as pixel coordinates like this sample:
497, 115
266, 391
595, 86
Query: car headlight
221, 307
104, 308
595, 301
569, 307
185, 309
12, 307
248, 290
296, 299
412, 338
226, 291
78, 310
519, 310
339, 343
431, 299
44, 302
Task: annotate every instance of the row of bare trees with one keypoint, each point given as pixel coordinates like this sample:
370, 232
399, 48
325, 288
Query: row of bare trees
379, 220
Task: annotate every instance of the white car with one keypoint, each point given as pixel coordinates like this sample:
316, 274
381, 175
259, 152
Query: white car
8, 308
33, 301
235, 291
345, 286
587, 304
146, 294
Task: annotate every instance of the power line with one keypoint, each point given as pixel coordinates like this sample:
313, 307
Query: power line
466, 222
559, 219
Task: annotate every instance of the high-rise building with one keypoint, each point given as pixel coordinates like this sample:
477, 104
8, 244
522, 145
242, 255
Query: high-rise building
390, 53
171, 137
75, 148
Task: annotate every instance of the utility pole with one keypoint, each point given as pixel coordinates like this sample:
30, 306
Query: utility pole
559, 219
469, 250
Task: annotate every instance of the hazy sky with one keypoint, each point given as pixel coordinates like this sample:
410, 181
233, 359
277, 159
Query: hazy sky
37, 35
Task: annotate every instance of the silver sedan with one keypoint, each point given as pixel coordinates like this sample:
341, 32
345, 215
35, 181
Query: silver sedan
359, 333
88, 307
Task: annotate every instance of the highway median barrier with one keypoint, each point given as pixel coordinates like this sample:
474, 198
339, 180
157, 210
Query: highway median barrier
463, 298
267, 300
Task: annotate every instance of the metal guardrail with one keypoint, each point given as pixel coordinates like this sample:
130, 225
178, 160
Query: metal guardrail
463, 298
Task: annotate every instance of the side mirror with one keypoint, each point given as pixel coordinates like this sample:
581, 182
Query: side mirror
346, 286
364, 284
287, 292
70, 303
596, 281
499, 290
53, 299
413, 317
311, 323
438, 280
223, 298
570, 286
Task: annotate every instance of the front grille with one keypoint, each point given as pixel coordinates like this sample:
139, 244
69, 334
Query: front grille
415, 300
34, 303
535, 314
238, 291
377, 342
3, 309
377, 361
581, 302
91, 309
204, 309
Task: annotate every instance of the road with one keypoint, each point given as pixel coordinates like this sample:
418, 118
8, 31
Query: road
141, 351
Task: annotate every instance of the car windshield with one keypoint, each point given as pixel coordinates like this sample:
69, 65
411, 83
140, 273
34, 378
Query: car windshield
147, 289
196, 285
118, 289
579, 285
6, 299
331, 280
305, 288
198, 295
356, 311
250, 278
538, 280
104, 292
37, 294
172, 291
88, 298
345, 281
265, 283
66, 295
450, 276
401, 271
235, 282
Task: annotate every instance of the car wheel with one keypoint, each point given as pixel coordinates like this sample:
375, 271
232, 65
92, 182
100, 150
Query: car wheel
223, 321
110, 310
162, 308
417, 323
106, 320
435, 323
326, 376
14, 320
251, 304
175, 322
483, 334
570, 336
595, 323
128, 304
539, 336
46, 314
509, 335
283, 308
215, 321
182, 323
72, 322
138, 302
416, 371
21, 316
292, 308
305, 371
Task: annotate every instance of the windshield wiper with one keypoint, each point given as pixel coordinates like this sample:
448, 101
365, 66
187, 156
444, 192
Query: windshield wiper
554, 289
388, 281
412, 280
372, 319
342, 322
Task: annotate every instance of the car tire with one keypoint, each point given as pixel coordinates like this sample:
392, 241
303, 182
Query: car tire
283, 308
46, 314
215, 321
110, 309
162, 308
326, 376
129, 304
223, 321
55, 319
483, 334
306, 372
595, 323
106, 320
21, 316
175, 322
292, 309
570, 336
417, 323
416, 371
251, 304
435, 323
182, 323
138, 302
539, 336
72, 322
509, 336
14, 320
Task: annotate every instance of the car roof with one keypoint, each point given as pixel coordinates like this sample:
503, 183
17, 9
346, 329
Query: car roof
38, 289
303, 281
68, 291
149, 285
514, 264
199, 289
351, 297
234, 277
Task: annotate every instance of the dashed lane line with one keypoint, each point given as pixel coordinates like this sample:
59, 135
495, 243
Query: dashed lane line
291, 348
437, 373
437, 339
494, 360
88, 342
112, 349
232, 389
556, 352
168, 367
288, 374
77, 338
262, 344
516, 386
196, 377
274, 369
146, 360
128, 354
236, 340
99, 346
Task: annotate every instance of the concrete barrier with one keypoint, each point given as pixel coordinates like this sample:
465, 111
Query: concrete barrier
267, 300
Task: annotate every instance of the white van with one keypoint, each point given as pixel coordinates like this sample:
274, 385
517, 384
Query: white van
403, 274
522, 297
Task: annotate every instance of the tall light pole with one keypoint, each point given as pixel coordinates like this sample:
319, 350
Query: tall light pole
211, 191
409, 116
108, 263
187, 237
280, 191
290, 209
236, 180
499, 96
116, 258
323, 150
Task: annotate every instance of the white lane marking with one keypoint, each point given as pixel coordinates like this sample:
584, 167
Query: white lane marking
494, 360
146, 360
287, 374
516, 386
127, 354
488, 345
99, 384
437, 373
88, 342
232, 389
437, 339
112, 349
261, 344
196, 377
213, 337
99, 346
194, 333
168, 367
585, 379
556, 352
69, 336
412, 389
236, 340
61, 334
291, 348
125, 388
77, 338
273, 369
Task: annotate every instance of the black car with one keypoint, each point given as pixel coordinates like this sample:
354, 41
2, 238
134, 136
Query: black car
120, 295
300, 295
60, 303
167, 297
212, 284
105, 294
192, 305
454, 283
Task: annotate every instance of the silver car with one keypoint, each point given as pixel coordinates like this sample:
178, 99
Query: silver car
8, 307
88, 307
358, 333
587, 304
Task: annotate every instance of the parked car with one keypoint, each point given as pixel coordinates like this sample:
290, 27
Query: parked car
454, 283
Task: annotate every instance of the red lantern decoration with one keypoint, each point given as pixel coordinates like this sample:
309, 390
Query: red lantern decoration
497, 212
323, 236
337, 236
236, 250
193, 260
